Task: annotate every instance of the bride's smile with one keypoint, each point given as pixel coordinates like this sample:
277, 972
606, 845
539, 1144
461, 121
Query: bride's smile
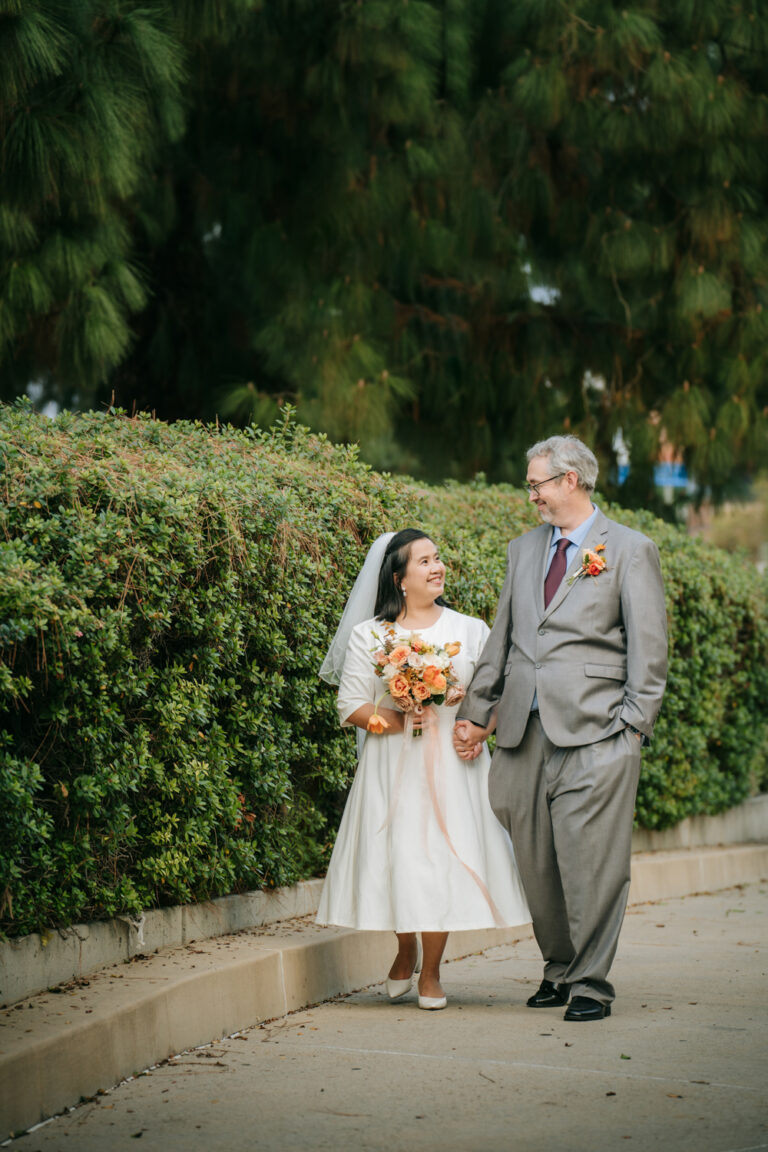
424, 578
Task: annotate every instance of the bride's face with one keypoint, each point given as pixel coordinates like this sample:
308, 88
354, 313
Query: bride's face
424, 578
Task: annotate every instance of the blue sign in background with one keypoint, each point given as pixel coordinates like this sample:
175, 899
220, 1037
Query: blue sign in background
664, 475
670, 476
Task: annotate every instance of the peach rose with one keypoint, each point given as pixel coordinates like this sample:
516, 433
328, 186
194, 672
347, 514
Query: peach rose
382, 658
453, 648
421, 691
439, 684
399, 686
429, 674
399, 655
376, 724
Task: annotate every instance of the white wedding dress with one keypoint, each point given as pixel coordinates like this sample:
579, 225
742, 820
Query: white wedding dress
415, 854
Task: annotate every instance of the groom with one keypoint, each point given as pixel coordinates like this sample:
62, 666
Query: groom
572, 678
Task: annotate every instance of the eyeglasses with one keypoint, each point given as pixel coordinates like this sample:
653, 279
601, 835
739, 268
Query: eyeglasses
535, 487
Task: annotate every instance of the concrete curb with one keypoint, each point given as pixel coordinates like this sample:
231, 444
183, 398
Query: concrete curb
142, 1012
37, 962
668, 875
170, 1002
740, 825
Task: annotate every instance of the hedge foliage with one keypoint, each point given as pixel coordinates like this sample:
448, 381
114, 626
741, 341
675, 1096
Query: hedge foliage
166, 595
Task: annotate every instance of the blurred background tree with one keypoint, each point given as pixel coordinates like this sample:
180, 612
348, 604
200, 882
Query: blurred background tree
638, 173
89, 95
739, 526
441, 230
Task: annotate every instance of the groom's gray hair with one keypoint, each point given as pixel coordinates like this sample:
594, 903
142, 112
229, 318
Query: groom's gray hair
568, 454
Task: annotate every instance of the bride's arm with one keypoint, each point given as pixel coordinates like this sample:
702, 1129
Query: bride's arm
395, 720
468, 738
360, 687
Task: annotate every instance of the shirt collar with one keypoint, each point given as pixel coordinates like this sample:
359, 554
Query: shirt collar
578, 535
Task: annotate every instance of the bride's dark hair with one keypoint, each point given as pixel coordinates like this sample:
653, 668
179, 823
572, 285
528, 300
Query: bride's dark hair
390, 601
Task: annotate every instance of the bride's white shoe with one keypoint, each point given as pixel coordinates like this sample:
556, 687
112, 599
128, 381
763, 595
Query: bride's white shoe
398, 988
433, 1003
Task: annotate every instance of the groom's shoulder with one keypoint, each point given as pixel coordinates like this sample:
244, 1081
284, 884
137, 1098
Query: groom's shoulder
626, 536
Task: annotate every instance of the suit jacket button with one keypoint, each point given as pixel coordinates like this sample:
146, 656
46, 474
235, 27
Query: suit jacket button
542, 631
538, 665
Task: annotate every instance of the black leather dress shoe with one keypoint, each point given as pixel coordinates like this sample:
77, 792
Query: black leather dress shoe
585, 1008
549, 995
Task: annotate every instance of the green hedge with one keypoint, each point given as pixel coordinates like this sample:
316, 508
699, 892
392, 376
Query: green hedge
166, 596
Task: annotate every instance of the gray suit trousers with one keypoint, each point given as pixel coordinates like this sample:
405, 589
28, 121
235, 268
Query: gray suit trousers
569, 812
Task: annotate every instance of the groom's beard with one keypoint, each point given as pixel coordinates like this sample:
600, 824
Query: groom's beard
545, 513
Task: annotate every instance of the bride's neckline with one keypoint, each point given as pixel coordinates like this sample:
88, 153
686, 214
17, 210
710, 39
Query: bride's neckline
426, 628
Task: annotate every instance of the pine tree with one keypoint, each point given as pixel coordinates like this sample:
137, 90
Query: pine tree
336, 240
440, 229
295, 226
637, 165
88, 91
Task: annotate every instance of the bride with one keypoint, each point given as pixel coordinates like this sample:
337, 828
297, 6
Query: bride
418, 849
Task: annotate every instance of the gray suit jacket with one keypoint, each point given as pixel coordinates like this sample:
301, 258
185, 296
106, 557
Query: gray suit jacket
596, 657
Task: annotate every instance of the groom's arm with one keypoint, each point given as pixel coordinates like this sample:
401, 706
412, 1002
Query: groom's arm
644, 615
487, 685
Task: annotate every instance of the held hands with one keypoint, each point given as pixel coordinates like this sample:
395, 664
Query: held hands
468, 739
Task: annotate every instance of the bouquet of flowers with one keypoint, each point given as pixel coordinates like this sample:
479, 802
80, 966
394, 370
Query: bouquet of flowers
416, 674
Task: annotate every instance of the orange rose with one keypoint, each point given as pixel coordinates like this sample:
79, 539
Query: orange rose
435, 679
399, 655
398, 685
453, 648
376, 724
593, 569
421, 691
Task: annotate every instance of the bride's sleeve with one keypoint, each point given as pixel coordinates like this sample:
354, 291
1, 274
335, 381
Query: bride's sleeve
359, 683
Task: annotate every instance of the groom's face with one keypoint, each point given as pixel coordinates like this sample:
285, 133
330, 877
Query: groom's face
552, 495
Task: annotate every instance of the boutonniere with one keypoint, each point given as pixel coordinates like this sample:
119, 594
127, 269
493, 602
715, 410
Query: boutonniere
592, 563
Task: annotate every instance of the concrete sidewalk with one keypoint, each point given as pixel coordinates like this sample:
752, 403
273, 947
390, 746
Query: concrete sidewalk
681, 1064
90, 1033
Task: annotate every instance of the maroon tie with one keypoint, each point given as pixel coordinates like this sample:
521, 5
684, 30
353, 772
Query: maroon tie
556, 571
